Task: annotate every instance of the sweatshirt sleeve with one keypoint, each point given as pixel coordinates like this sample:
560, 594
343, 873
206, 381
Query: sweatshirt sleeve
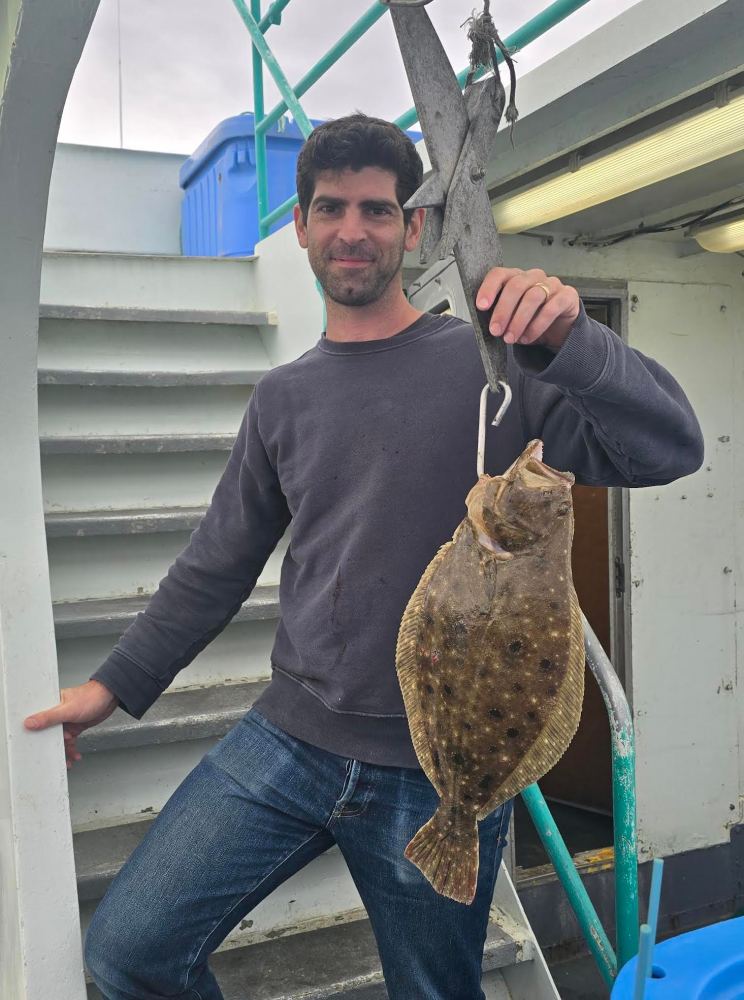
209, 580
605, 411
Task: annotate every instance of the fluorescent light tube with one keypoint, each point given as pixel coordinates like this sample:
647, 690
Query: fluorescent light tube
728, 237
701, 138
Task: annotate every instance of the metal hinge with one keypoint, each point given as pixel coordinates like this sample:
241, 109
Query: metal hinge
619, 577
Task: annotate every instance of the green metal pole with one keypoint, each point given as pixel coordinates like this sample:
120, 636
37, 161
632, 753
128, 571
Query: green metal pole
623, 795
586, 915
262, 182
273, 15
355, 32
281, 210
535, 27
626, 863
274, 68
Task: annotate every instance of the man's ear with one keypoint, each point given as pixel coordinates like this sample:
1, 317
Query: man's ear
415, 228
300, 227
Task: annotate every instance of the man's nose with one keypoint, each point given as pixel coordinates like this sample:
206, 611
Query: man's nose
352, 229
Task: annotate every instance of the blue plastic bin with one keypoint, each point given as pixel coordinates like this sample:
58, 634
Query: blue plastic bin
219, 211
707, 964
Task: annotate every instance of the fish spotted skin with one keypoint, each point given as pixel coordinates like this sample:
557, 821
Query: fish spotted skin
490, 660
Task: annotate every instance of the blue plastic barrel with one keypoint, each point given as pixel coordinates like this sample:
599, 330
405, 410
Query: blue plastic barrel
706, 964
219, 211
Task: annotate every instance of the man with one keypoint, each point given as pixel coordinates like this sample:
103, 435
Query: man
366, 444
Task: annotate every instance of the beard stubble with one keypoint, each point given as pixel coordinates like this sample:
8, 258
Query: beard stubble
359, 288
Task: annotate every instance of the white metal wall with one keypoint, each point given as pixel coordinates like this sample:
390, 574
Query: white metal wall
115, 200
686, 562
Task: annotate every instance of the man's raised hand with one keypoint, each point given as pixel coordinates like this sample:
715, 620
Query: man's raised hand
79, 708
531, 308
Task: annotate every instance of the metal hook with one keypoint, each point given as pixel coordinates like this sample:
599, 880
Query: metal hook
494, 423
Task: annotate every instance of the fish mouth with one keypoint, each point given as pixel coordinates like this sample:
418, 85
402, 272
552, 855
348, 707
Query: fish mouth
531, 461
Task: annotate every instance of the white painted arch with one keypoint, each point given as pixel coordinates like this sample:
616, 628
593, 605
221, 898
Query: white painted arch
40, 954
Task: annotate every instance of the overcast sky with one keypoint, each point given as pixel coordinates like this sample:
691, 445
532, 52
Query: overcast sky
185, 65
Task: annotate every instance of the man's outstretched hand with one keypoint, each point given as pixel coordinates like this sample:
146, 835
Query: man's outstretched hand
531, 308
79, 708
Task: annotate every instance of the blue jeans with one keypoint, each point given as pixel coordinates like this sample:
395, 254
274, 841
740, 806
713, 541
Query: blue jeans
256, 809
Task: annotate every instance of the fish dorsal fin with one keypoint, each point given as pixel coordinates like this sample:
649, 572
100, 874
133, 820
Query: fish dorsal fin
406, 664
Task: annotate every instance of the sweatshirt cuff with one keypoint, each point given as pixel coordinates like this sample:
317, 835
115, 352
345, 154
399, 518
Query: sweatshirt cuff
578, 365
133, 686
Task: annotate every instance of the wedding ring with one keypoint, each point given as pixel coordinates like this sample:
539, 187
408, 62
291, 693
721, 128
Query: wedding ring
539, 284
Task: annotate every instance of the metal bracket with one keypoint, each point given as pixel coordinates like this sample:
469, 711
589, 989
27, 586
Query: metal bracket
459, 130
404, 3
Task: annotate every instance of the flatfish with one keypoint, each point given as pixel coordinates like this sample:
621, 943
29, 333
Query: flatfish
490, 660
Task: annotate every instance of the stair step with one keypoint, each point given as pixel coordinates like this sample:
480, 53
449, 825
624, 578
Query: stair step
113, 616
136, 353
329, 963
130, 482
124, 314
176, 717
99, 854
304, 901
125, 288
135, 444
337, 961
70, 376
65, 524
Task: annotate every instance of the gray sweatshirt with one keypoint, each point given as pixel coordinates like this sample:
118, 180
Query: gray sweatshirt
369, 450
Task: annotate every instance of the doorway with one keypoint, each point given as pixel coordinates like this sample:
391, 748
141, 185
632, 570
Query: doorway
579, 788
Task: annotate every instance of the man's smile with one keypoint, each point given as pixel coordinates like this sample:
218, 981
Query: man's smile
350, 261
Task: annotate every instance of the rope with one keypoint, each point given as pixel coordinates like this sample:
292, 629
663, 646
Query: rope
484, 39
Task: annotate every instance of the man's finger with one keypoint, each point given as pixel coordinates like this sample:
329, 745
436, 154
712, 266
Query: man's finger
493, 282
556, 307
508, 302
527, 310
50, 717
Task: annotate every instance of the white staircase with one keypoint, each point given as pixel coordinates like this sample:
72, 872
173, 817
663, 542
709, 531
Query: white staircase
146, 365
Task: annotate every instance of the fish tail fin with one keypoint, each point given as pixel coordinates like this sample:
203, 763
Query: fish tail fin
447, 855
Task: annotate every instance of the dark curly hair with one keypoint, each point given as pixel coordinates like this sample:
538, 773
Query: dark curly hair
355, 142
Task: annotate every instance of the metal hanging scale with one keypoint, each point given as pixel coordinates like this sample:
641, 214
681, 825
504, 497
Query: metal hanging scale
459, 130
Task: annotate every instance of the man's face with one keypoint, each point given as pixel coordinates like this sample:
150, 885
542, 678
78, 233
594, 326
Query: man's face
355, 234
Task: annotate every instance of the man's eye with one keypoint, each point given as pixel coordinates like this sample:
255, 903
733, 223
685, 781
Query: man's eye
380, 210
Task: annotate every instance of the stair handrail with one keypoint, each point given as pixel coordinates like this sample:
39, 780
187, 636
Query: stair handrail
620, 716
623, 821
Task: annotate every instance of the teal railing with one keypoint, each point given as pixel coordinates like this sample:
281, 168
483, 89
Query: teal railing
257, 26
623, 747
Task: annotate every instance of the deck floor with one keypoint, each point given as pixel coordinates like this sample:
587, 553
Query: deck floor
576, 978
581, 829
579, 979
